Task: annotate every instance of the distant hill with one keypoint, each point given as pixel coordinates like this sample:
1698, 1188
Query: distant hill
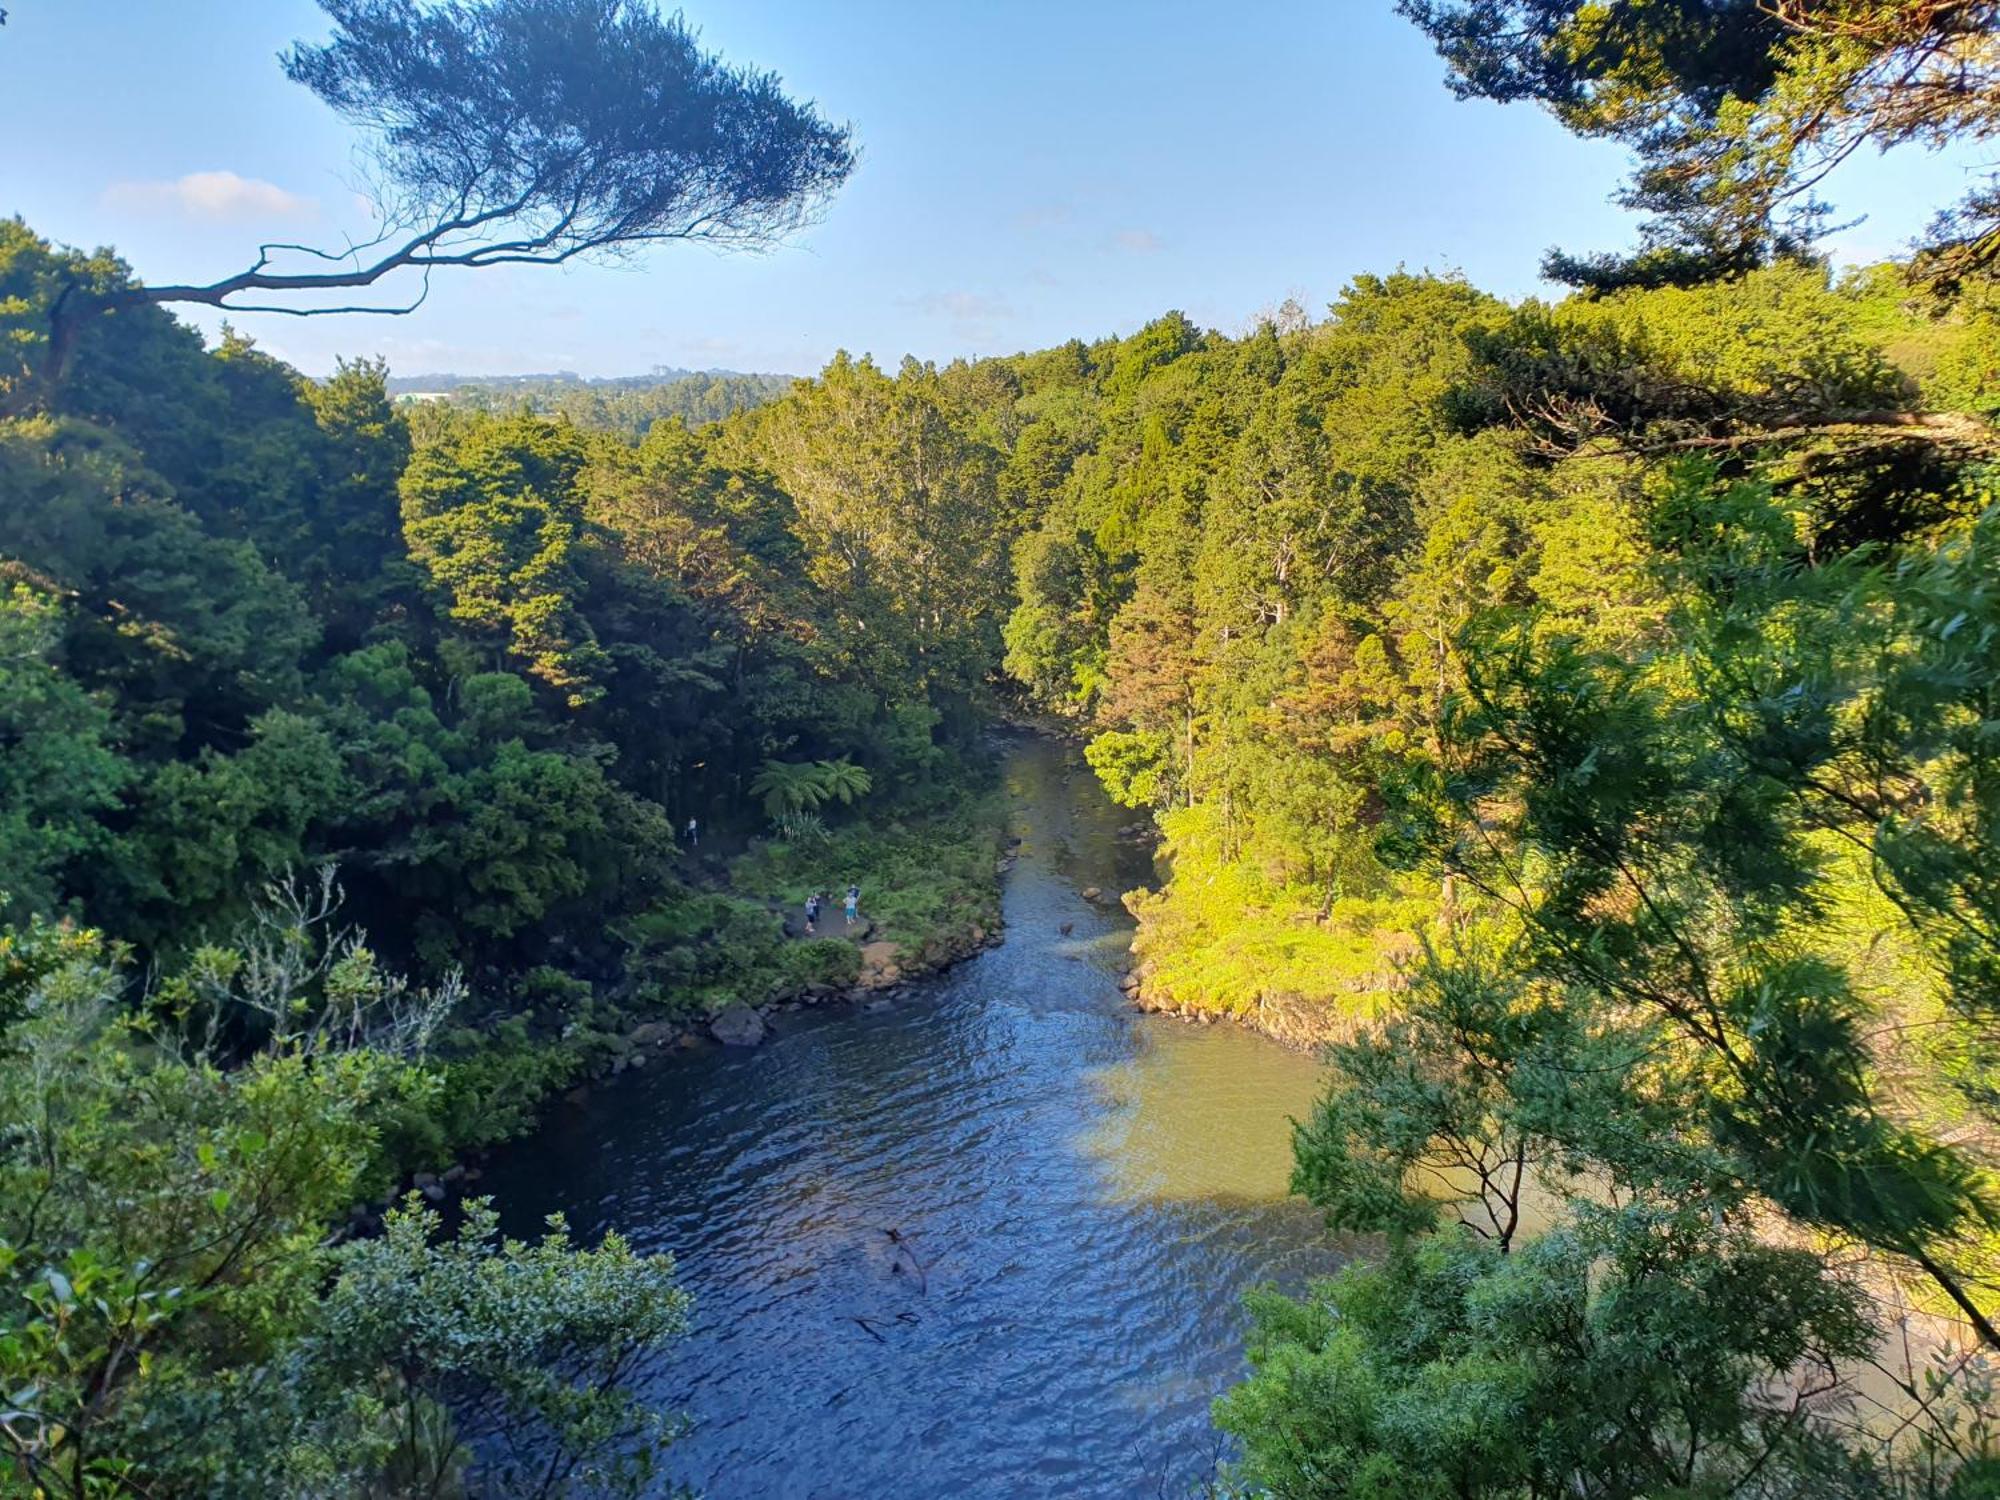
625, 404
658, 375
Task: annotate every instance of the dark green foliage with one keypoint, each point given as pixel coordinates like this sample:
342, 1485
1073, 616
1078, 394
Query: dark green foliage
497, 132
629, 407
1737, 110
1617, 1356
578, 124
58, 772
250, 629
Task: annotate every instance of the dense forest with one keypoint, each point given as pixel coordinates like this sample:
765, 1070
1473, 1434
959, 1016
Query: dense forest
297, 703
1574, 715
629, 405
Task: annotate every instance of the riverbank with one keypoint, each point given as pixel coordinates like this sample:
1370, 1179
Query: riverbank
714, 964
1220, 939
930, 898
1079, 1195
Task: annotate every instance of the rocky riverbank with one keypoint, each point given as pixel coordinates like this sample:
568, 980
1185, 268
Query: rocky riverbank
1290, 1020
889, 971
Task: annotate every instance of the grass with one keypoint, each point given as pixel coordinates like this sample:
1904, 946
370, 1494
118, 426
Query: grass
926, 880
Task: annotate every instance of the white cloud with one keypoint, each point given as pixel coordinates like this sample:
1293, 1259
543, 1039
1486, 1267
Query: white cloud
223, 197
1137, 241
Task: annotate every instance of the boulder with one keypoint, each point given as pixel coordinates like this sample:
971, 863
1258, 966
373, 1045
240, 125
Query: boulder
1067, 928
880, 965
1092, 893
737, 1026
653, 1034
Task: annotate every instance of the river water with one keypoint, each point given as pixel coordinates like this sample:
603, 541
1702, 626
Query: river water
1078, 1195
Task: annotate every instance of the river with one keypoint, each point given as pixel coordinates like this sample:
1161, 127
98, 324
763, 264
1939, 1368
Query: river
1079, 1194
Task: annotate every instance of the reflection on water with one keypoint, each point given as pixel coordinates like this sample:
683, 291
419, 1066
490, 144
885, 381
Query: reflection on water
1078, 1196
1201, 1113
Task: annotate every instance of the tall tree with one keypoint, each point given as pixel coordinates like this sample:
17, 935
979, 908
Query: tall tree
1738, 109
522, 132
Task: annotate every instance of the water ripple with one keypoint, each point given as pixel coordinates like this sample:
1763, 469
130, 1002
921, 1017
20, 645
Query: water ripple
1078, 1196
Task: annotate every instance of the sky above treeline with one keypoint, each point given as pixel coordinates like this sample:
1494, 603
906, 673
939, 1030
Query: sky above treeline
1030, 172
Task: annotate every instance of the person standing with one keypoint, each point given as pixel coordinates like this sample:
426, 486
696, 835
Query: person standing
812, 912
693, 833
853, 903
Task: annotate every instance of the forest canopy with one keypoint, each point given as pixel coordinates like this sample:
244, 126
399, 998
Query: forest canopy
1573, 716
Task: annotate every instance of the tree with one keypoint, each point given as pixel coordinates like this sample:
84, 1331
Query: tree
58, 772
352, 534
896, 509
1738, 109
174, 1318
494, 515
789, 788
1666, 854
511, 132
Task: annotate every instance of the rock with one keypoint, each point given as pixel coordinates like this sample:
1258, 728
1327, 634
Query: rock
1067, 928
689, 1041
1128, 982
738, 1026
978, 934
880, 965
457, 1172
423, 1182
435, 1192
1092, 893
653, 1034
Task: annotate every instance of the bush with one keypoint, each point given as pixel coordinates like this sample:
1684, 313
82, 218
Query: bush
921, 880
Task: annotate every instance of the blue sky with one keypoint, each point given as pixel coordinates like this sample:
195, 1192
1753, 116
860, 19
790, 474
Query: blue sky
1031, 171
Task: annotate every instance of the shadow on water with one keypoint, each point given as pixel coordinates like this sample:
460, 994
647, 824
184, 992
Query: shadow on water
1079, 1195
